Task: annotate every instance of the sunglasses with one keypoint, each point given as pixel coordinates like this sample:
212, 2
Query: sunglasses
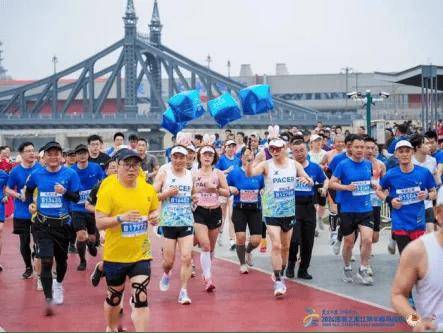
275, 149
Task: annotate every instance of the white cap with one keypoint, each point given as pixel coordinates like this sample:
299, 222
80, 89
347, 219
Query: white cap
440, 197
191, 147
314, 137
277, 142
230, 142
403, 143
206, 149
180, 150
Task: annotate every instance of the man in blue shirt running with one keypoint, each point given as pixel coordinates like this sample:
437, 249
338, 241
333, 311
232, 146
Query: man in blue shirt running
22, 217
90, 174
352, 177
57, 186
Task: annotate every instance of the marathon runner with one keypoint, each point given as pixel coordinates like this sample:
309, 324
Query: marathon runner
174, 186
246, 211
22, 217
90, 174
209, 185
278, 201
352, 177
57, 188
421, 268
125, 205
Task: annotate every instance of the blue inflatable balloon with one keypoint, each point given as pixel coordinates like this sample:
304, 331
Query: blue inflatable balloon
169, 123
256, 99
224, 109
186, 105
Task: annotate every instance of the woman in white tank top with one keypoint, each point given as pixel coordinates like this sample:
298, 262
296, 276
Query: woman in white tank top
174, 185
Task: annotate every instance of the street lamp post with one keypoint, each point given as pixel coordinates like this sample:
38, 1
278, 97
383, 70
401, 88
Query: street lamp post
368, 101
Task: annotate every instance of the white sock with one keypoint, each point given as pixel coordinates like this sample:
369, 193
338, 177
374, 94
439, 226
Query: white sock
205, 261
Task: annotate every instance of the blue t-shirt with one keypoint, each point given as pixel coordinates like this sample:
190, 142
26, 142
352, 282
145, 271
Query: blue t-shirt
318, 176
336, 161
3, 181
224, 162
359, 174
89, 177
16, 182
438, 156
248, 187
49, 202
405, 186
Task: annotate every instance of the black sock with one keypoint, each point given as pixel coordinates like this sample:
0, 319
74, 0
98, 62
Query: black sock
277, 275
81, 248
241, 254
250, 248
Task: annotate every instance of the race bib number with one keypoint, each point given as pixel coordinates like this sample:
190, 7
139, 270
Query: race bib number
84, 196
185, 200
50, 200
283, 194
363, 188
134, 229
409, 196
301, 187
208, 199
249, 196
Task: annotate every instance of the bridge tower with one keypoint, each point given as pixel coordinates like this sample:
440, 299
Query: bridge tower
155, 29
130, 58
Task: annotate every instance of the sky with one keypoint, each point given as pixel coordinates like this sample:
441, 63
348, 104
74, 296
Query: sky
310, 36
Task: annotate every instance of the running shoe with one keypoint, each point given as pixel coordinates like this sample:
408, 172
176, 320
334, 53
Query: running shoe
57, 292
164, 282
183, 297
39, 285
336, 248
209, 285
81, 266
92, 249
279, 288
263, 245
391, 246
244, 269
28, 273
370, 271
347, 275
49, 308
333, 238
96, 275
249, 260
72, 248
364, 277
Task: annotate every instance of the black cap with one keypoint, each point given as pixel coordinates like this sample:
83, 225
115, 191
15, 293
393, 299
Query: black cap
125, 153
52, 145
69, 152
81, 148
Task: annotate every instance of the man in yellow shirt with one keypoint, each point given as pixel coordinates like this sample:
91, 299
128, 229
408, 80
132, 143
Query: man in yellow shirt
125, 205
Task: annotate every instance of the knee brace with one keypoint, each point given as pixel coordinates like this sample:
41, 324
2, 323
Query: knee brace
333, 221
115, 297
140, 289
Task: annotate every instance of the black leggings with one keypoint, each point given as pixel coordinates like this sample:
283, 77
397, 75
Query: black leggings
263, 233
25, 248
